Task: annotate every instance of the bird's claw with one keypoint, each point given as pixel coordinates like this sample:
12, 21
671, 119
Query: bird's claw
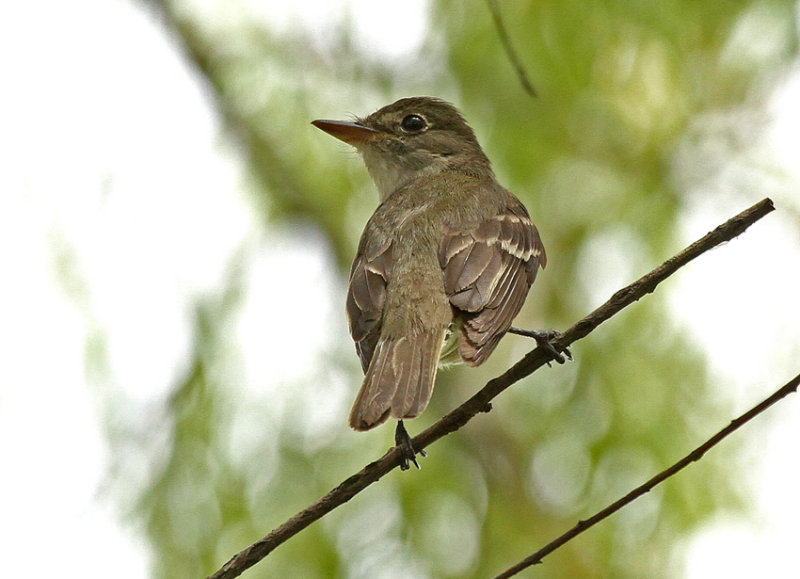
407, 452
543, 339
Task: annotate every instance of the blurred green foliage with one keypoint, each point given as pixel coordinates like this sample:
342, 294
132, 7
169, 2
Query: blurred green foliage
619, 85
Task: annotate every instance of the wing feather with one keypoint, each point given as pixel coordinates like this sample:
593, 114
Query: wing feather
488, 271
366, 297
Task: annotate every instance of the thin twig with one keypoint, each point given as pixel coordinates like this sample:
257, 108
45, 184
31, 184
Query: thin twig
509, 48
693, 456
480, 402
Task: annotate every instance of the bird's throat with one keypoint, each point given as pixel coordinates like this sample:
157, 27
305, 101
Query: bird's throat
390, 173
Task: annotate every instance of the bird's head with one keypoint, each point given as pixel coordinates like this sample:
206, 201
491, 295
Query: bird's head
410, 138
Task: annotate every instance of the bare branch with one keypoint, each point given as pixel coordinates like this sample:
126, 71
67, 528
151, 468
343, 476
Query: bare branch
509, 48
693, 456
480, 402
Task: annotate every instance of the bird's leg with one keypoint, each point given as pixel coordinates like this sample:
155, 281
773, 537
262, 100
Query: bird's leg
543, 338
403, 441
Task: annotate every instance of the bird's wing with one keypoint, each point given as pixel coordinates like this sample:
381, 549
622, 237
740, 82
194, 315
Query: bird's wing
366, 296
488, 271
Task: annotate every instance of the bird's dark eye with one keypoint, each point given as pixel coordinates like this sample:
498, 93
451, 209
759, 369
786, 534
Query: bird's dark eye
413, 124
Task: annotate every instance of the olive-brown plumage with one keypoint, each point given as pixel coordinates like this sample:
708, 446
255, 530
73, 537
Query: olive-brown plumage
448, 250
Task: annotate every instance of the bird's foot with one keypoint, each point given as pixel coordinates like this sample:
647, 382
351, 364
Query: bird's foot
407, 451
543, 339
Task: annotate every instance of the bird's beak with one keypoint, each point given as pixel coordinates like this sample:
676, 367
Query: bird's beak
351, 133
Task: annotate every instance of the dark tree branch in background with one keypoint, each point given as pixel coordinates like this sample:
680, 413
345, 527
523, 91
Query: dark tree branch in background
693, 456
480, 402
509, 48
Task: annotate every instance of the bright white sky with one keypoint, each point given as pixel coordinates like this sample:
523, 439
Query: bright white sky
88, 85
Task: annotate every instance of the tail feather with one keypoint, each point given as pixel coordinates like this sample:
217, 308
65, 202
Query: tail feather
399, 380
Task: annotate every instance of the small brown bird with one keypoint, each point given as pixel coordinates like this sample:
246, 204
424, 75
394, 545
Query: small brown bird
444, 264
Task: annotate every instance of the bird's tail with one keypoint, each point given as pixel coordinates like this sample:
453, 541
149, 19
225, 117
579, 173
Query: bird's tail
399, 379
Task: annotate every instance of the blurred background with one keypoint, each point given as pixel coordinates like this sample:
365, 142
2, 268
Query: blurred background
175, 239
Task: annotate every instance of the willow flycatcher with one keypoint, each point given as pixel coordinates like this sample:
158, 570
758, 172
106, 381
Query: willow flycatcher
443, 265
